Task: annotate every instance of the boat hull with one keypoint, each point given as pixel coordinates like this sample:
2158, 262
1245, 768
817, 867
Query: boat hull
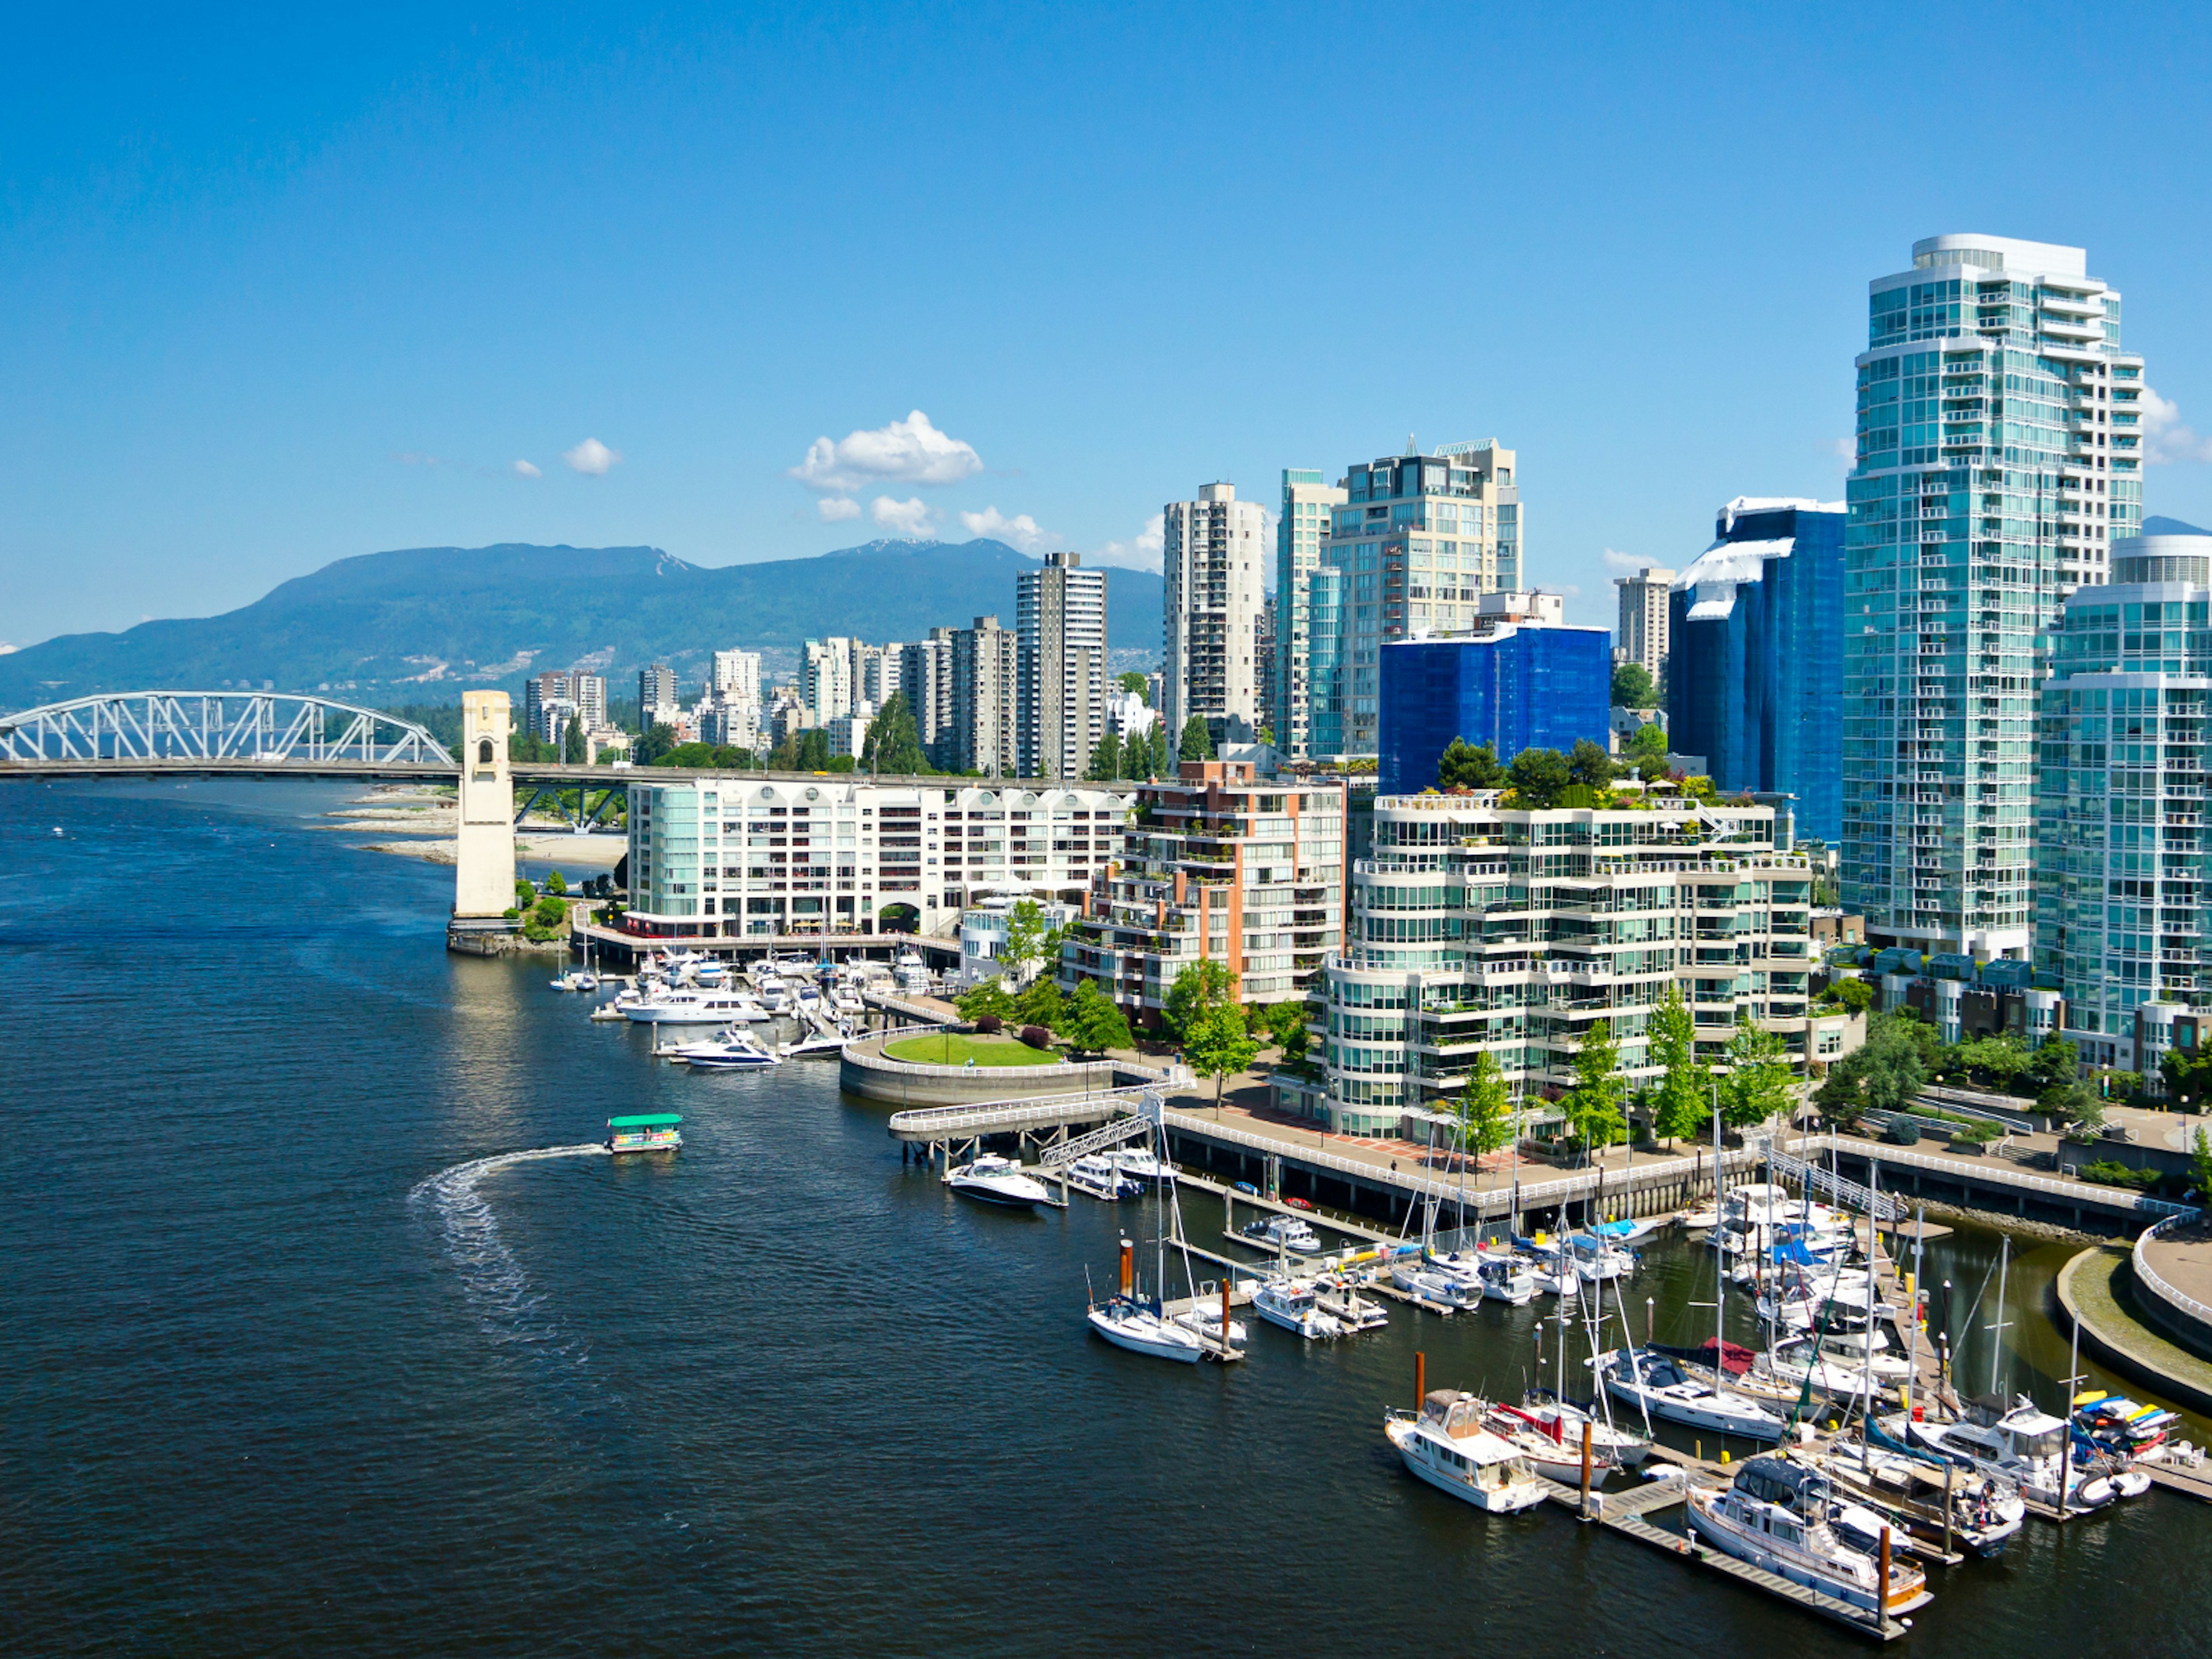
1505, 1500
1746, 1546
1137, 1339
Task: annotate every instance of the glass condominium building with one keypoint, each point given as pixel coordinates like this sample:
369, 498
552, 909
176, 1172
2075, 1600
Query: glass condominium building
1421, 537
2121, 891
1999, 455
1300, 535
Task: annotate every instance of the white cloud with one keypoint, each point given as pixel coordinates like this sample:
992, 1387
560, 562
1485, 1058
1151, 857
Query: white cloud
910, 450
2166, 438
1844, 449
1021, 530
1142, 552
909, 519
834, 507
1624, 564
592, 456
526, 470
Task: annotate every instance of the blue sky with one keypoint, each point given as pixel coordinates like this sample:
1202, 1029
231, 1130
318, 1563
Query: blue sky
283, 288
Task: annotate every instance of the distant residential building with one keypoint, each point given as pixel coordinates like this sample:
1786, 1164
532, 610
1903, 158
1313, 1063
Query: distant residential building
1525, 681
1327, 622
656, 689
2122, 887
1300, 537
1060, 618
1641, 635
876, 670
825, 677
983, 934
2000, 456
551, 700
1471, 932
1214, 553
1128, 715
986, 689
1757, 683
1224, 865
925, 679
1422, 537
733, 856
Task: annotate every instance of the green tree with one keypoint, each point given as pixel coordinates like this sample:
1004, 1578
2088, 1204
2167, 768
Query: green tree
813, 751
1287, 1020
1758, 1083
1633, 686
1106, 759
2200, 1166
1026, 937
1885, 1073
1484, 1107
894, 742
1197, 740
572, 744
2188, 1077
1856, 994
990, 997
1092, 1024
525, 894
1595, 1105
1201, 985
1133, 680
1678, 1101
1591, 764
1464, 766
2070, 1102
2057, 1061
1649, 742
1538, 777
1219, 1043
656, 741
556, 884
1042, 1004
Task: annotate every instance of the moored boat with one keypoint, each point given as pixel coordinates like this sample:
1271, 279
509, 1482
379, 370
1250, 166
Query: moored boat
1294, 1304
1781, 1515
996, 1180
1446, 1445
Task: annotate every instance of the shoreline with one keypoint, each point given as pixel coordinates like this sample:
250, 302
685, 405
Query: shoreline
427, 813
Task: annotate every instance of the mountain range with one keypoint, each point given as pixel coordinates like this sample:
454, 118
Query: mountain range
422, 624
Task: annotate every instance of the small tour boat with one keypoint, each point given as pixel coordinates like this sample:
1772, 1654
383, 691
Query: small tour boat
996, 1180
648, 1132
1656, 1383
1781, 1515
1295, 1304
1127, 1324
1446, 1446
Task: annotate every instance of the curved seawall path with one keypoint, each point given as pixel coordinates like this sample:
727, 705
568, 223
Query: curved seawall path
326, 1333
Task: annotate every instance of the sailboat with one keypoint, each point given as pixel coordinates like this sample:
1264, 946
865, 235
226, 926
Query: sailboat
1141, 1325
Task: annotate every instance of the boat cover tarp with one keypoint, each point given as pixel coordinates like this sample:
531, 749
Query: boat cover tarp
1735, 1358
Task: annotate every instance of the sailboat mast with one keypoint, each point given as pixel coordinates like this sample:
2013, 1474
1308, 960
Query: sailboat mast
1997, 1319
1720, 1261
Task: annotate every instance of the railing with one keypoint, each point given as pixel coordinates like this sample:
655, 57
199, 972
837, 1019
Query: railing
2076, 1192
999, 1116
2148, 1276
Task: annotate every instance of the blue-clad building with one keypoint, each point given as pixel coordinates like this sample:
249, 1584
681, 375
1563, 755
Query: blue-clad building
1528, 681
1755, 656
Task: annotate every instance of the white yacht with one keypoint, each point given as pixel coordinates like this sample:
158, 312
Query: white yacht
2027, 1446
1282, 1232
1779, 1515
726, 1051
1448, 1447
1657, 1383
910, 974
998, 1179
709, 975
1985, 1510
1505, 1276
1143, 1164
1100, 1177
685, 1006
1129, 1324
1204, 1317
1294, 1304
1421, 1276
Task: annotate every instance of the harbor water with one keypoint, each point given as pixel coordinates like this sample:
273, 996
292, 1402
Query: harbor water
327, 1329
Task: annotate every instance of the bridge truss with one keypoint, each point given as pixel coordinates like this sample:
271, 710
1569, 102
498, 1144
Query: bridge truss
213, 727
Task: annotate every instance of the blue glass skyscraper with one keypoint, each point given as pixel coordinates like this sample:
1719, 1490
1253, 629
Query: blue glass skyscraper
1755, 662
1519, 687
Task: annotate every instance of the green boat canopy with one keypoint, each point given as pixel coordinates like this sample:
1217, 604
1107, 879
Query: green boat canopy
649, 1121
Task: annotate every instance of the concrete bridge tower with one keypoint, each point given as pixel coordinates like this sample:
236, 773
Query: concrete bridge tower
483, 873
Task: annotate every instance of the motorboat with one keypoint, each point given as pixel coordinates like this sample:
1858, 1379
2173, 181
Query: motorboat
909, 973
1338, 1295
821, 1044
1100, 1177
1128, 1323
1421, 1276
2027, 1446
645, 1132
577, 979
1281, 1233
1785, 1517
846, 1000
1143, 1164
726, 1051
1204, 1317
1627, 1233
1500, 1275
684, 1005
996, 1180
1294, 1304
1560, 1264
1658, 1385
1446, 1446
708, 975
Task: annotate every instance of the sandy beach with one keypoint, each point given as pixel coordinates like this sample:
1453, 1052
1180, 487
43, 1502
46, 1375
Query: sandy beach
426, 815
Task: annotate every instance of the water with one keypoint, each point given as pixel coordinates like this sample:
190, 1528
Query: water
326, 1331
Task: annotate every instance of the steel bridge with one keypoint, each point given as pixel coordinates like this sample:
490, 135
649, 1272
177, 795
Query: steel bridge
129, 732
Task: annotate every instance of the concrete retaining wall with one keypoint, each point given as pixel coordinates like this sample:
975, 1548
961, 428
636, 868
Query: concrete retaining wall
863, 1070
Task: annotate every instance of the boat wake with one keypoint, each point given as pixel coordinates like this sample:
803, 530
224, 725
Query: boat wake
493, 1280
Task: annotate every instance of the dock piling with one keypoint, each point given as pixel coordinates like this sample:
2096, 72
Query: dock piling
1586, 1468
1420, 1378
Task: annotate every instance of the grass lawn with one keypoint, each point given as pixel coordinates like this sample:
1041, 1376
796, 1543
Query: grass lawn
953, 1049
